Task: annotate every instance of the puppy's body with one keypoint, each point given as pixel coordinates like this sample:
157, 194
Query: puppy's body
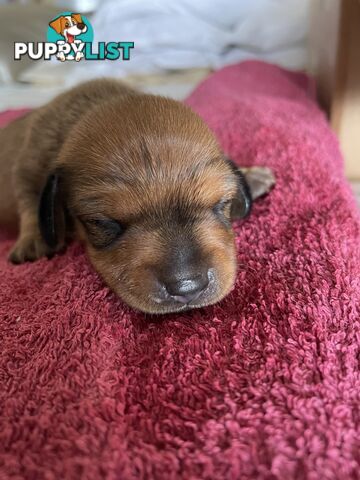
11, 138
140, 179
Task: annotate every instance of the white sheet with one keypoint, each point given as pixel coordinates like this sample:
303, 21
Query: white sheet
189, 34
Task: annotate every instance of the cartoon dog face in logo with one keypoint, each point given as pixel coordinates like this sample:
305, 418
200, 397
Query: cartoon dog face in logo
69, 26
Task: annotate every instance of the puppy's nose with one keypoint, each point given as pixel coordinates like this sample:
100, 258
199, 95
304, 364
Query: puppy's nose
188, 289
81, 26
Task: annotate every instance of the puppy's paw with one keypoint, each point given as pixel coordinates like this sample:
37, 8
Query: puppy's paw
79, 56
29, 249
260, 180
61, 56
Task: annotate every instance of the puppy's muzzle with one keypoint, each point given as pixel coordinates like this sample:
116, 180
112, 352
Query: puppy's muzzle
81, 26
184, 277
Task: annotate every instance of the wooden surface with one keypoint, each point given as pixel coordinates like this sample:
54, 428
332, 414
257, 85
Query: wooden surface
334, 58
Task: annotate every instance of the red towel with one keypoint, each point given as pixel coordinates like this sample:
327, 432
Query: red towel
264, 385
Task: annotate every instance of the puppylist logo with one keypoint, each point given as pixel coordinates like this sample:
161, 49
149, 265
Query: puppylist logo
70, 37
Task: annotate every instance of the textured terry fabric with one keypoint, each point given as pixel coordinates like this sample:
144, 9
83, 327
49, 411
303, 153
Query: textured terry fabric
264, 385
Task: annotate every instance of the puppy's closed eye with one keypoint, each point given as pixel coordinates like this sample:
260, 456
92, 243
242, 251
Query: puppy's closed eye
102, 232
222, 210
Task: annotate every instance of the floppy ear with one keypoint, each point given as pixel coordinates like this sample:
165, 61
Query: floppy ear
259, 179
241, 204
56, 25
77, 17
52, 213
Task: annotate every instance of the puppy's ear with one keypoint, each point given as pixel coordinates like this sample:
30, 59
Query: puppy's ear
241, 204
259, 179
77, 17
56, 25
52, 213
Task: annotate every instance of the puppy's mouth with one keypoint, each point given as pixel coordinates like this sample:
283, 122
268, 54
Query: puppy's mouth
166, 301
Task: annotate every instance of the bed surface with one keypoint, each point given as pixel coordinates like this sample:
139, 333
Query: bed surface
264, 385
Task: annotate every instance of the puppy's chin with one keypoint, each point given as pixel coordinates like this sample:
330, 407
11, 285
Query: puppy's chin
153, 307
153, 303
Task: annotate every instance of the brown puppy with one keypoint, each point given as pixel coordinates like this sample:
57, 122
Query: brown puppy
141, 180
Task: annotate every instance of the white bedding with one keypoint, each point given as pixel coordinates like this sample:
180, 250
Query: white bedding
174, 36
13, 96
174, 85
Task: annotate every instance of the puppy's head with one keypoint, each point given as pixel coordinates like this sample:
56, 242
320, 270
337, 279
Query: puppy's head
71, 24
152, 197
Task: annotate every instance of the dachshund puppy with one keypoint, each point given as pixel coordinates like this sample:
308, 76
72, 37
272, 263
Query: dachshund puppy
141, 180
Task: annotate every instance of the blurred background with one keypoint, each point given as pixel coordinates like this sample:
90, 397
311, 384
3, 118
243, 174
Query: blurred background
178, 43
